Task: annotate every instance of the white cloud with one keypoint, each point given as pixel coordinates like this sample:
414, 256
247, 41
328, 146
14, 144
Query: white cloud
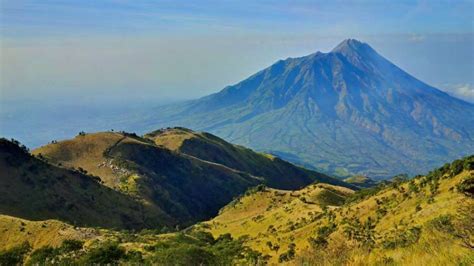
462, 91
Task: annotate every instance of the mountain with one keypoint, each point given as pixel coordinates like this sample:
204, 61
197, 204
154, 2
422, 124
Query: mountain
33, 189
276, 173
349, 111
425, 221
168, 172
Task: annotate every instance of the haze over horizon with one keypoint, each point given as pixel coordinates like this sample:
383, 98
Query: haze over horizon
93, 51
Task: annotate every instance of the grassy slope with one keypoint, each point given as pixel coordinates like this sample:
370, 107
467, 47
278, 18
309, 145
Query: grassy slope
285, 211
33, 189
295, 221
285, 217
276, 172
15, 231
187, 189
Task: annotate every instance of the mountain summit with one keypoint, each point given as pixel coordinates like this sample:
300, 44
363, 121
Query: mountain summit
350, 44
349, 111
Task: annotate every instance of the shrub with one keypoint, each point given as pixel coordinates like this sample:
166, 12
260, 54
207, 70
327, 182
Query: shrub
443, 223
42, 255
108, 253
464, 224
184, 254
70, 245
134, 257
456, 167
14, 256
289, 254
204, 236
403, 239
363, 233
466, 186
418, 208
412, 187
322, 234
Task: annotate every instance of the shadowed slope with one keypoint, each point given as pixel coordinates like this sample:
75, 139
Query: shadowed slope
187, 189
36, 190
275, 172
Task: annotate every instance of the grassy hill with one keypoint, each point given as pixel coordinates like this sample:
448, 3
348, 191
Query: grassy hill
426, 221
189, 176
187, 189
277, 173
16, 231
33, 189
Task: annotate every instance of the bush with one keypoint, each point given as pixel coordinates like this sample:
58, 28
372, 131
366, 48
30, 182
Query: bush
14, 256
184, 254
108, 253
443, 223
412, 187
466, 186
70, 245
134, 258
289, 254
42, 255
321, 238
204, 236
403, 239
47, 254
456, 167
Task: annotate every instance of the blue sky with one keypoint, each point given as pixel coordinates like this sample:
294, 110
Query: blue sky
186, 49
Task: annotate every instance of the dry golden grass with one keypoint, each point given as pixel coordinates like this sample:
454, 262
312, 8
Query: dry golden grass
253, 214
172, 138
86, 152
15, 231
285, 211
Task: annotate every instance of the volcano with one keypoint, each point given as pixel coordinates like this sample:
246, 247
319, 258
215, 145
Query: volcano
345, 112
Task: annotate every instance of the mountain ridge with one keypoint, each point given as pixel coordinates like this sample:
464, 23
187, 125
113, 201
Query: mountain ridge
187, 176
345, 112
